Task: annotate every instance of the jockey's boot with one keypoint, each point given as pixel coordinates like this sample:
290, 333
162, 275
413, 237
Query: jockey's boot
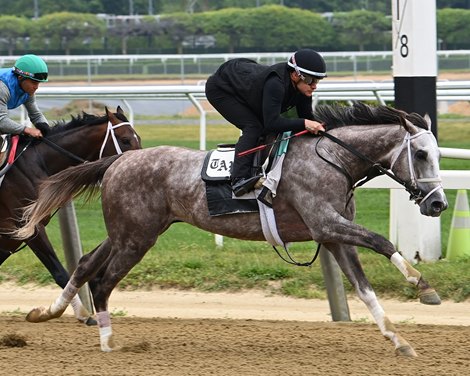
241, 186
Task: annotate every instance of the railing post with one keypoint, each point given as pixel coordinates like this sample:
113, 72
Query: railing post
334, 286
73, 248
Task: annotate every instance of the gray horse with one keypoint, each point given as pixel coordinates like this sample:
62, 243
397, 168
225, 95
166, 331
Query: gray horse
145, 191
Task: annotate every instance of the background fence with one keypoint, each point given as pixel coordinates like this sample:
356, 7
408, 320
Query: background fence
89, 67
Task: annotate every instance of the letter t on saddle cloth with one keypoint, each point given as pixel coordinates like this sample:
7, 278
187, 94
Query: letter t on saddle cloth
8, 147
220, 200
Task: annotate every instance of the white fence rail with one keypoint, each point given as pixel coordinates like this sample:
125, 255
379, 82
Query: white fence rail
184, 65
328, 91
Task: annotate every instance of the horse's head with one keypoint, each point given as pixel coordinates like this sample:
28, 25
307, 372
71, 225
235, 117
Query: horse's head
120, 134
416, 162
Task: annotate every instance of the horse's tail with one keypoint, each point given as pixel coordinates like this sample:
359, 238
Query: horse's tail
60, 188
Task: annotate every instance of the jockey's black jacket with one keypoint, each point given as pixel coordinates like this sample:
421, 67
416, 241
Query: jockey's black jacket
253, 97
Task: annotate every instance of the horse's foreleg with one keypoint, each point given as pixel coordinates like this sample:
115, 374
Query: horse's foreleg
56, 309
427, 295
80, 312
346, 232
348, 260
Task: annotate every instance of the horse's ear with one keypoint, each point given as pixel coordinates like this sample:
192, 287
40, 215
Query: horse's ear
110, 115
427, 118
119, 110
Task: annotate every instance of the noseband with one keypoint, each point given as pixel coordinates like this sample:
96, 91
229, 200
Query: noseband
412, 187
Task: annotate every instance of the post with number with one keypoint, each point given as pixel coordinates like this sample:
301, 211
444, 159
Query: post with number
414, 75
415, 57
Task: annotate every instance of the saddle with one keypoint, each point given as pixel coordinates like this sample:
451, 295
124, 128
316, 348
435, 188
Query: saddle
8, 147
216, 174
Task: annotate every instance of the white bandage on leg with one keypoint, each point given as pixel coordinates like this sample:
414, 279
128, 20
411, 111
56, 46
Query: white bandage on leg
64, 299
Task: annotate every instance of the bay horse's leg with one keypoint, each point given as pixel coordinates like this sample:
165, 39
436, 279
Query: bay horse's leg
340, 230
349, 262
42, 248
86, 269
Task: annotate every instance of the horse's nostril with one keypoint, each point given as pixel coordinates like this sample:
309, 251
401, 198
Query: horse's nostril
438, 206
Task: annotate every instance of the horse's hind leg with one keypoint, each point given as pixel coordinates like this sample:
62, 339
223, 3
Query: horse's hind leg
86, 269
348, 260
110, 274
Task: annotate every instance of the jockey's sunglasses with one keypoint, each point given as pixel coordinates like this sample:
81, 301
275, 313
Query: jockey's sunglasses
309, 80
40, 76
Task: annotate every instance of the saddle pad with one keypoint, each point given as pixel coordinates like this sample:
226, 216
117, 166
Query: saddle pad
220, 201
7, 149
218, 164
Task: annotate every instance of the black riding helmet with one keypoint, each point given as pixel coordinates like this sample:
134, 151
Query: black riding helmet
308, 62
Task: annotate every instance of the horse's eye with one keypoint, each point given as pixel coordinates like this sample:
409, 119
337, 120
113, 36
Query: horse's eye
126, 141
421, 155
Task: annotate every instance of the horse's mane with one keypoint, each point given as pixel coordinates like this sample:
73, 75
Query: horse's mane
363, 114
76, 122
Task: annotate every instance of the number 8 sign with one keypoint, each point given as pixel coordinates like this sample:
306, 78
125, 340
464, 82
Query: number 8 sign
414, 38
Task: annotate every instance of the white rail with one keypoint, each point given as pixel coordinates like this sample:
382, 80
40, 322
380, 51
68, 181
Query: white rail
328, 91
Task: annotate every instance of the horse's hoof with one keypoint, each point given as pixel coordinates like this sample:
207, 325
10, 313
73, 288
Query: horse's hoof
90, 321
39, 314
430, 297
406, 350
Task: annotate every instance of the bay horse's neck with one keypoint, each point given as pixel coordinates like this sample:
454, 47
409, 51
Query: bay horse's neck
83, 142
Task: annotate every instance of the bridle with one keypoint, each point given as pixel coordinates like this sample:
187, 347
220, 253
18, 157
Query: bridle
109, 131
412, 188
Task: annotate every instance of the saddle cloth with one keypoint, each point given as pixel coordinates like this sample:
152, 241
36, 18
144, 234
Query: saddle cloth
8, 147
220, 200
216, 173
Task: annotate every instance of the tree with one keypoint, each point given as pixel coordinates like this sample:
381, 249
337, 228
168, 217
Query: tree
276, 28
228, 25
361, 27
68, 30
177, 27
453, 27
12, 28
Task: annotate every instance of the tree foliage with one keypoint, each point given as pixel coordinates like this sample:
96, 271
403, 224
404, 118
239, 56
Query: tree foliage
12, 29
453, 27
266, 28
67, 30
360, 27
142, 7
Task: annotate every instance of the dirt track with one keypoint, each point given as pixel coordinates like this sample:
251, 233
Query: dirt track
231, 347
176, 344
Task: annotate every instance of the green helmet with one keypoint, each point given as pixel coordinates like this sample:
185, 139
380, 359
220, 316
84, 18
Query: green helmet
32, 67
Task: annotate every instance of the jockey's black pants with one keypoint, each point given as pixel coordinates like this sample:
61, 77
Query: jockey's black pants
240, 115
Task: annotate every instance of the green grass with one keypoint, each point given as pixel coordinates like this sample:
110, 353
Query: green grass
187, 258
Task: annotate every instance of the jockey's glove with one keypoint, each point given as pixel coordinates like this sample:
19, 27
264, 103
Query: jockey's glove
43, 127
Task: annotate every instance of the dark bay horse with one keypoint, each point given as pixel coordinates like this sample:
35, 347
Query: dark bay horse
84, 138
143, 192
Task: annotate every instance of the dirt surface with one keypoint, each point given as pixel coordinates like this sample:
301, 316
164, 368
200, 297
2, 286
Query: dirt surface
189, 333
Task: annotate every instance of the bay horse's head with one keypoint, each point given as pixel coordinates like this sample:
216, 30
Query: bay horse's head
120, 135
416, 161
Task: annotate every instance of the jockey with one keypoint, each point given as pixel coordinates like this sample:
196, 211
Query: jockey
17, 87
253, 97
